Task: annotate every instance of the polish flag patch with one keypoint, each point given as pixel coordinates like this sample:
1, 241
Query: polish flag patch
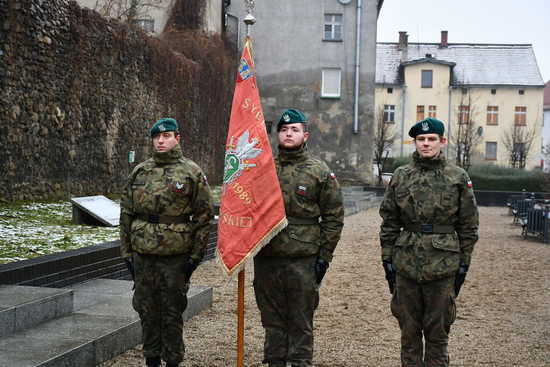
469, 184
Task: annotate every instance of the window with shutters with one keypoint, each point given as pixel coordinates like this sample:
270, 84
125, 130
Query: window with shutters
432, 111
492, 115
333, 27
419, 113
331, 80
463, 114
520, 116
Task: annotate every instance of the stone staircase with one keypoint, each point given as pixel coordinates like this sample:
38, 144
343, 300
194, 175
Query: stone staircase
83, 325
73, 309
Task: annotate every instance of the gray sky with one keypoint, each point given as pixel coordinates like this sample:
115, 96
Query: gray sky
471, 21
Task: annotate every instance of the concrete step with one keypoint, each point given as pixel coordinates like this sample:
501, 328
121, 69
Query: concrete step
102, 326
24, 307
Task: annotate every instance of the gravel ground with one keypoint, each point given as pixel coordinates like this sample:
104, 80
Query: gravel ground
503, 309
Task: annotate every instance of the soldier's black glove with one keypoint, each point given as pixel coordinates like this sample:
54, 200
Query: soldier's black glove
189, 267
130, 266
460, 277
390, 274
321, 267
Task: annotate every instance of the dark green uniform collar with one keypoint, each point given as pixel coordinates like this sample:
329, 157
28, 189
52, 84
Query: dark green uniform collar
429, 163
171, 156
294, 155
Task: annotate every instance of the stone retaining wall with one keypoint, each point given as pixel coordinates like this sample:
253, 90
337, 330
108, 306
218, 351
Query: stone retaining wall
78, 92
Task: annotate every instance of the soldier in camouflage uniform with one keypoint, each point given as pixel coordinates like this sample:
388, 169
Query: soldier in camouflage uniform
166, 208
429, 228
289, 270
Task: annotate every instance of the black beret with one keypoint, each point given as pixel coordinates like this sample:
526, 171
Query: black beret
427, 126
162, 125
291, 116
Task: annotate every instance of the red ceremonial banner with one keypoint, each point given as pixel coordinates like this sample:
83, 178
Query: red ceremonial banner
252, 210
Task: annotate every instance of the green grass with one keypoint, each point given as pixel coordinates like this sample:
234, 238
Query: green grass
29, 230
33, 229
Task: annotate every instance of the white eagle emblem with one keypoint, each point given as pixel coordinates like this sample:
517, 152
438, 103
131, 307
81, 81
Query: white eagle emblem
178, 186
286, 117
425, 126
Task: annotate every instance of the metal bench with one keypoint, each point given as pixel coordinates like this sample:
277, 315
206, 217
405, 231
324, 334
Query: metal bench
536, 222
520, 209
512, 200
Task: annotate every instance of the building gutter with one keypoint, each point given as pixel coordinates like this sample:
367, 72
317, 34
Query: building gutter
359, 10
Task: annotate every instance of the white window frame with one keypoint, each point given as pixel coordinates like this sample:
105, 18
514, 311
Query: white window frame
389, 114
492, 143
336, 89
492, 115
422, 79
432, 111
334, 21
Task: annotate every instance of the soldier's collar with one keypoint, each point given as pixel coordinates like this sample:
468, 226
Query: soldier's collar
429, 163
286, 155
171, 156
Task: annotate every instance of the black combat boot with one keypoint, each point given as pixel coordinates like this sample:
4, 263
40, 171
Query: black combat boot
152, 361
168, 364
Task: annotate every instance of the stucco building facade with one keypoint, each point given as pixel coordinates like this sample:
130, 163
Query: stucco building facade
319, 56
493, 92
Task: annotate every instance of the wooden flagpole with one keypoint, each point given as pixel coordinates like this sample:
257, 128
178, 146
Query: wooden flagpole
240, 321
248, 20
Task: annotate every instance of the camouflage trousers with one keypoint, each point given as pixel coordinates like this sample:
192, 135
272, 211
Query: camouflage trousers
160, 298
424, 309
287, 295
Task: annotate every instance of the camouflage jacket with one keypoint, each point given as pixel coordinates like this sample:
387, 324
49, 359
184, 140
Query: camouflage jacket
428, 191
313, 206
167, 185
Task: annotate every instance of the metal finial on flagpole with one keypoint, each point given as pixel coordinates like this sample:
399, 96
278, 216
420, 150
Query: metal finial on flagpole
249, 18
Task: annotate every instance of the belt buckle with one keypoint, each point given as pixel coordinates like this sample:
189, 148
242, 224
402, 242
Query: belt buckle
427, 228
153, 218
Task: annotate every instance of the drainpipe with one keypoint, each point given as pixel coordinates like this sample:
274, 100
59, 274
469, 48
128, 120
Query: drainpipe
450, 124
357, 66
403, 109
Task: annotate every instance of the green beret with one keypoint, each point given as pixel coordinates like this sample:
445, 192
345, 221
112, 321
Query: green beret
163, 125
427, 126
291, 116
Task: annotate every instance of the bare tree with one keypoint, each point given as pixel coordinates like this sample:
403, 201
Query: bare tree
126, 10
518, 141
468, 132
383, 139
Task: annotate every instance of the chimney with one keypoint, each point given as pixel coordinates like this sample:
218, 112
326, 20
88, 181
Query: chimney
444, 38
403, 41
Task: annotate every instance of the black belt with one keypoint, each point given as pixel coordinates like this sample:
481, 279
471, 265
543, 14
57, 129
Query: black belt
295, 220
164, 219
430, 228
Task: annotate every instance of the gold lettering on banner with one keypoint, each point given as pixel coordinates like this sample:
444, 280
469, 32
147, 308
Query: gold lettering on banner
236, 221
254, 109
241, 193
